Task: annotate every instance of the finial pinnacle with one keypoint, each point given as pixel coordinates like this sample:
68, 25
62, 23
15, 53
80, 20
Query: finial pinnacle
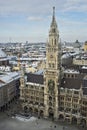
53, 23
53, 10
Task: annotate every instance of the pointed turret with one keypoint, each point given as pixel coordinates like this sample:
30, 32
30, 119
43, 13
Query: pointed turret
53, 27
53, 18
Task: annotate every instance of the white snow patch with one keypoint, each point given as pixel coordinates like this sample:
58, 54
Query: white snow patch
25, 119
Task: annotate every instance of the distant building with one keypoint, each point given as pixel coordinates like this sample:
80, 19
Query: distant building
85, 46
57, 93
4, 61
9, 88
66, 59
77, 46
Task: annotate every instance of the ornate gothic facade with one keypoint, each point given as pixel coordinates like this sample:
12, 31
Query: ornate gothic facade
59, 94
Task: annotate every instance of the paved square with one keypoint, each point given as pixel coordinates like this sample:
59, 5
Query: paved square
9, 123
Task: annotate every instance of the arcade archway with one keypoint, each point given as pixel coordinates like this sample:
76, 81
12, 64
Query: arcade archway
74, 120
36, 111
83, 123
51, 113
41, 113
25, 109
30, 109
61, 117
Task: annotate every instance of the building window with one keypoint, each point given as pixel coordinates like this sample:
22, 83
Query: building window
50, 98
64, 75
50, 65
72, 76
42, 88
75, 75
84, 102
50, 103
55, 41
62, 98
52, 41
26, 85
69, 91
53, 65
41, 104
69, 99
75, 106
68, 75
75, 100
76, 92
62, 90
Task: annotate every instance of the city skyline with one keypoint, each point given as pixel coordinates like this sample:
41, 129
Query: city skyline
26, 20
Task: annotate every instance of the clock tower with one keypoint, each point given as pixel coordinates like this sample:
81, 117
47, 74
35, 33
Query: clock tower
52, 71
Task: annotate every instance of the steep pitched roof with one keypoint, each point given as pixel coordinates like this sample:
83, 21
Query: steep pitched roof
35, 78
71, 83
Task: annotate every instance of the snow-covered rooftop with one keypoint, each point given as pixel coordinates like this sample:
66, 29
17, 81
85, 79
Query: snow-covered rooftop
8, 77
71, 71
2, 53
84, 67
40, 72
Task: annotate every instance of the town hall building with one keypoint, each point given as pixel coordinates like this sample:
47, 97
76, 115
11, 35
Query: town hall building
57, 93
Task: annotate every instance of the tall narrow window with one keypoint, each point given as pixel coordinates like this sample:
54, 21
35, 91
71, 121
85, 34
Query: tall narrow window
53, 65
55, 41
49, 65
52, 41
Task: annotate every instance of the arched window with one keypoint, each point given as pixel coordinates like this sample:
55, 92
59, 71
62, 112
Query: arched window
50, 103
50, 98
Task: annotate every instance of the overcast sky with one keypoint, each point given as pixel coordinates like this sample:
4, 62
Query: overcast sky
29, 20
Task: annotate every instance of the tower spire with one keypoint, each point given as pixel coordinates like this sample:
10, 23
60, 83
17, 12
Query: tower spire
53, 26
53, 17
53, 12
